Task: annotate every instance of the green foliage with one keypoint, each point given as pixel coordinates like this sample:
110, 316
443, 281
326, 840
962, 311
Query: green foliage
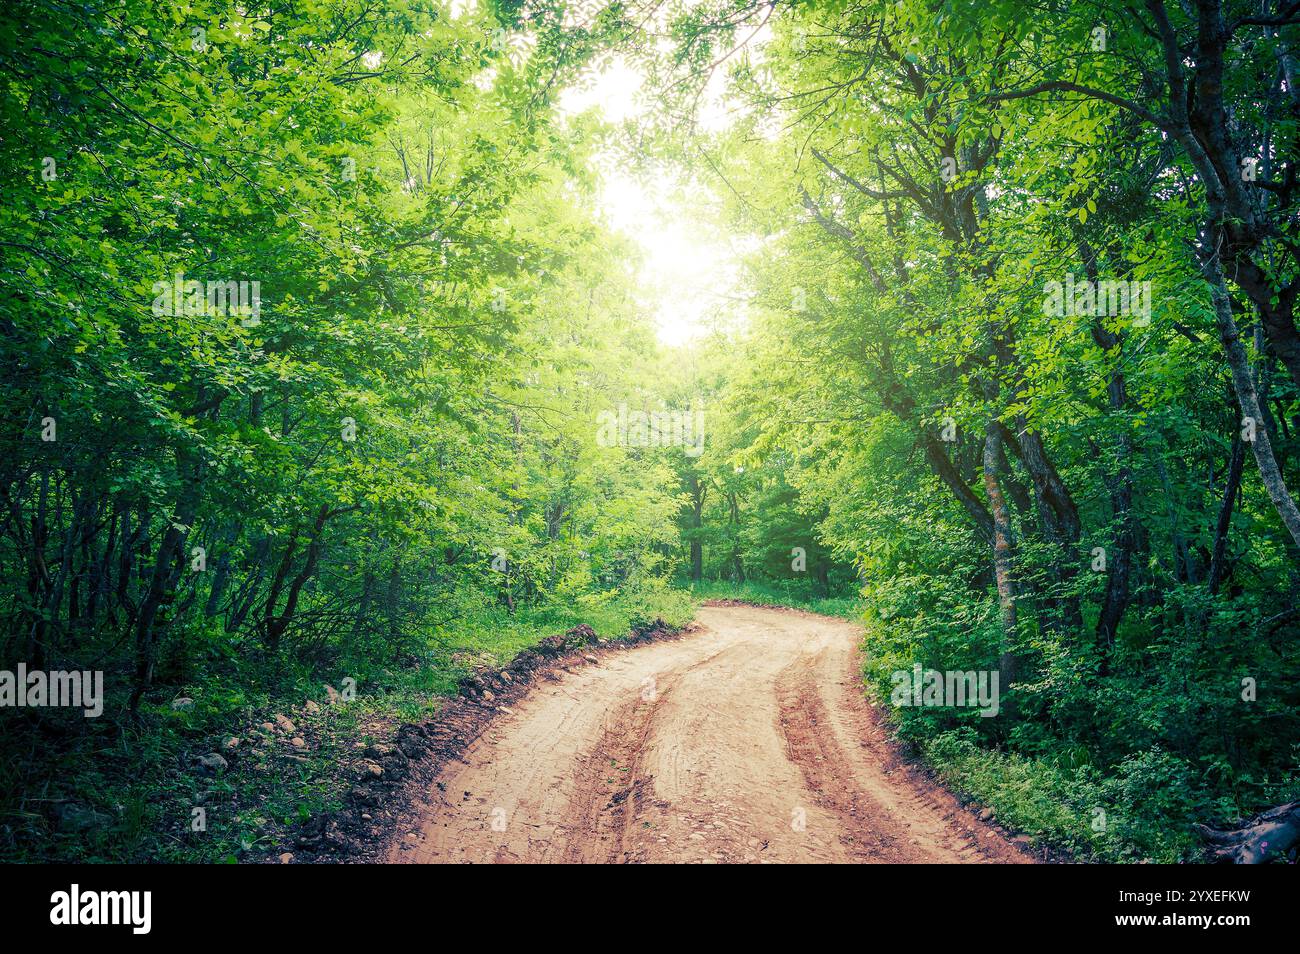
1062, 495
376, 452
383, 465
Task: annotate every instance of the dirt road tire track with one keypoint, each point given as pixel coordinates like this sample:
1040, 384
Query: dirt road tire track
746, 741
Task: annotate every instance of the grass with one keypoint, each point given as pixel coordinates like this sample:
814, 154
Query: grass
1124, 817
785, 593
135, 788
1066, 807
141, 783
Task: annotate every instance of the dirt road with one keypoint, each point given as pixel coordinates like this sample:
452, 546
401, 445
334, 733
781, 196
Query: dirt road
745, 741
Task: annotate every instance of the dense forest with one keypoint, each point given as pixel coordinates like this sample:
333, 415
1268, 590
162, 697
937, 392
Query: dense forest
322, 365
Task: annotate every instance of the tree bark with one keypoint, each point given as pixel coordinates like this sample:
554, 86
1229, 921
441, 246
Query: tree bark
1231, 487
1243, 384
697, 524
1274, 832
163, 577
1002, 562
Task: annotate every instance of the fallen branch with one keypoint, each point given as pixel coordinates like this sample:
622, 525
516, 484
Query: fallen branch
1272, 832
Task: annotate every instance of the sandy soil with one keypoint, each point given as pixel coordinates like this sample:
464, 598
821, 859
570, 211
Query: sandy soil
746, 741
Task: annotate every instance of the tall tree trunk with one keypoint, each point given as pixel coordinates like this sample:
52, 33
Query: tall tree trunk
38, 577
1243, 384
697, 524
737, 565
163, 577
1119, 568
1231, 486
1002, 563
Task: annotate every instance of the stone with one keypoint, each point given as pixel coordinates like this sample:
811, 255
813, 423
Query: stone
364, 796
285, 724
213, 762
183, 703
80, 818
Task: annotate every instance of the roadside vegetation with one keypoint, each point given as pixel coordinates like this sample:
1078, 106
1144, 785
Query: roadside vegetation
290, 742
